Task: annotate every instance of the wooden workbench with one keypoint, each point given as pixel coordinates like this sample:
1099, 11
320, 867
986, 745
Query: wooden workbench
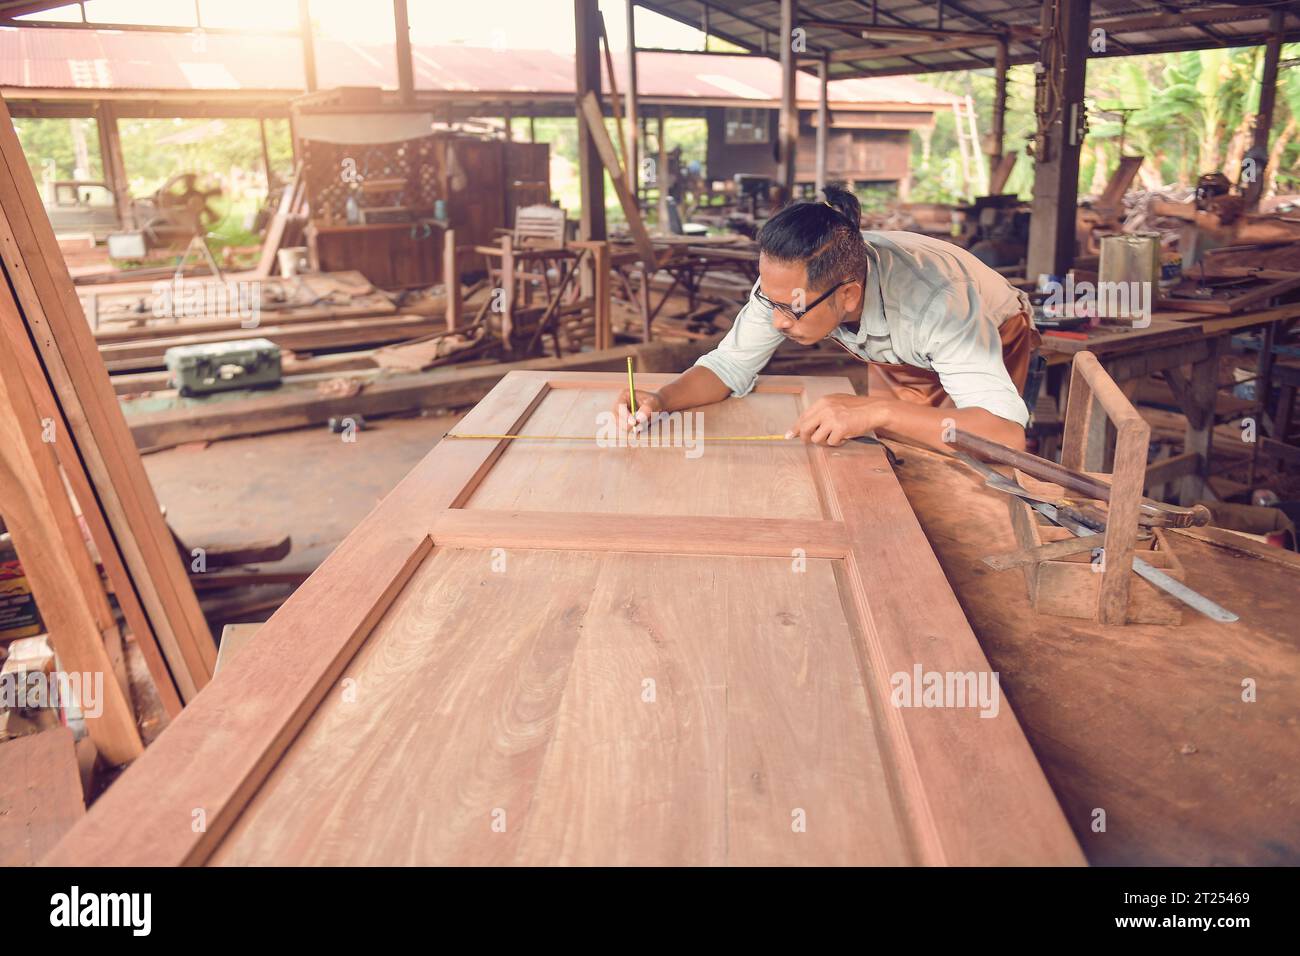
1173, 341
1144, 722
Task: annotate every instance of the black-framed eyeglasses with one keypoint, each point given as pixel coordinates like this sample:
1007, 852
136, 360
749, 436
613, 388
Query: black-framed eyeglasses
798, 314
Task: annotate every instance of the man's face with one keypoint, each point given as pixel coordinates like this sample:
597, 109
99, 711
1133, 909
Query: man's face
785, 284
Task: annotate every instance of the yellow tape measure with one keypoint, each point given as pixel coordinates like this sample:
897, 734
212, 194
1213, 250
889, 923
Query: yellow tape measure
593, 438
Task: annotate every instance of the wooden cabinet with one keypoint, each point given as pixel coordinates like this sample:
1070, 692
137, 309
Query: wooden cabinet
392, 255
551, 652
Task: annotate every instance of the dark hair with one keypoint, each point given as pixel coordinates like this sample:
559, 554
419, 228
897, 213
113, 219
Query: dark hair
827, 235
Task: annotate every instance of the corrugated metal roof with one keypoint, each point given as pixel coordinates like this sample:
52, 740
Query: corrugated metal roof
125, 60
754, 26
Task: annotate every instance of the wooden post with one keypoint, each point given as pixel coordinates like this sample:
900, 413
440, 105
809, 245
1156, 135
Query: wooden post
48, 539
1199, 437
308, 46
405, 68
1254, 186
647, 273
591, 173
110, 156
266, 155
601, 302
508, 116
789, 120
451, 278
507, 291
633, 155
1056, 162
661, 176
997, 133
823, 121
532, 123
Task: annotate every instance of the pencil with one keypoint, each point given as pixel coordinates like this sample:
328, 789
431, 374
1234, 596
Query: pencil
631, 385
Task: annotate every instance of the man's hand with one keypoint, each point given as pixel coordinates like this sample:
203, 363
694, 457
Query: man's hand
834, 419
647, 404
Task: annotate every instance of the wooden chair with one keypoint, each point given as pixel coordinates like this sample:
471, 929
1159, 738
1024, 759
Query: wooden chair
531, 250
532, 257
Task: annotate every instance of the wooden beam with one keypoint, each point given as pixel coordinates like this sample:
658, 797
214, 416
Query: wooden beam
591, 177
110, 156
1166, 21
1264, 115
1056, 160
864, 29
788, 126
595, 121
308, 46
661, 174
823, 120
616, 106
997, 133
451, 279
908, 49
633, 153
405, 67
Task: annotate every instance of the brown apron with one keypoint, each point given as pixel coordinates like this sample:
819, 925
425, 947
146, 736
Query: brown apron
922, 386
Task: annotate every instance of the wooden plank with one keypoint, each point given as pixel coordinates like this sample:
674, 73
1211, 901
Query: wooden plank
48, 539
123, 331
595, 118
492, 670
40, 794
16, 339
451, 280
331, 334
771, 537
233, 639
58, 327
266, 261
439, 388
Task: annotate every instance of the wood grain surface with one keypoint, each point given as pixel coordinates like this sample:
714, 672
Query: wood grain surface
710, 684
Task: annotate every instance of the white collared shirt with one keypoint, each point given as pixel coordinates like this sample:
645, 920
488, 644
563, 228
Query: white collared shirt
928, 304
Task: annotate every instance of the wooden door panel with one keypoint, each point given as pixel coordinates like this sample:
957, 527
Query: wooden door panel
518, 691
754, 479
410, 689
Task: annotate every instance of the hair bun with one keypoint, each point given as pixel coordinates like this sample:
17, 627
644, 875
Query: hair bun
840, 198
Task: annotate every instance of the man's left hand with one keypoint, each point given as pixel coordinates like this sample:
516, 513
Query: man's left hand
834, 419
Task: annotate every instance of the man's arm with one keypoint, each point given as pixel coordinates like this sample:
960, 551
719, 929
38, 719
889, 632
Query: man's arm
965, 350
730, 369
698, 385
835, 419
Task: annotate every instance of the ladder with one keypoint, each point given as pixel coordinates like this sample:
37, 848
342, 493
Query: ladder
973, 164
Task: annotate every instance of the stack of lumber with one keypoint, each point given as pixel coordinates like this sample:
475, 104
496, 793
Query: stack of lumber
67, 461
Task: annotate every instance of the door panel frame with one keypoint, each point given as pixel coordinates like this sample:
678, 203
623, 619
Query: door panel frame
970, 790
